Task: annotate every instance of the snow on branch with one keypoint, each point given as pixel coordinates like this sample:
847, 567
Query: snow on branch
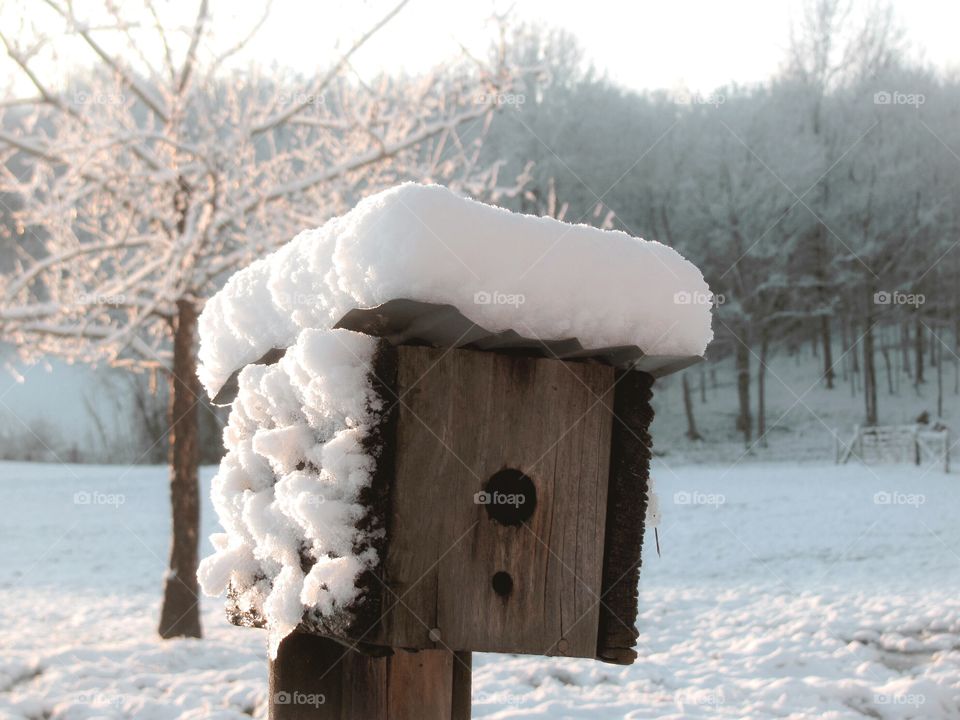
129, 78
318, 89
146, 180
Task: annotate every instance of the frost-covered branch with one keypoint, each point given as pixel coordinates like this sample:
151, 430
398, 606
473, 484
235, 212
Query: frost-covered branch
148, 181
380, 151
129, 78
325, 80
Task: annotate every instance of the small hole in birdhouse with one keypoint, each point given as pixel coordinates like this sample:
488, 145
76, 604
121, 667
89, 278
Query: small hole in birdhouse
502, 583
510, 497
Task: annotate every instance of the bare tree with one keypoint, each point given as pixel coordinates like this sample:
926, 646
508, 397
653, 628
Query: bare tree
829, 49
141, 188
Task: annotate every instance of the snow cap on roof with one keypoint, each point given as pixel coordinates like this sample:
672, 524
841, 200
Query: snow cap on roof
538, 276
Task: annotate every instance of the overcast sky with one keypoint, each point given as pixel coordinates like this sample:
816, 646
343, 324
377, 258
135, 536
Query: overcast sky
695, 44
698, 44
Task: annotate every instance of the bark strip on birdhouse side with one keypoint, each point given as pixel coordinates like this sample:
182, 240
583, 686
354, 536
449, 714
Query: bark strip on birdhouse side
626, 511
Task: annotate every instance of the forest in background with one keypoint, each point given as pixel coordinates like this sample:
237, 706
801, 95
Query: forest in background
821, 205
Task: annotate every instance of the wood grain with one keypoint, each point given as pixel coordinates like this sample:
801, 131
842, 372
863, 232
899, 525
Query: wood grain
464, 416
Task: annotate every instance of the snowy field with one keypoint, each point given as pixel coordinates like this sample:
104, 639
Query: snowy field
783, 591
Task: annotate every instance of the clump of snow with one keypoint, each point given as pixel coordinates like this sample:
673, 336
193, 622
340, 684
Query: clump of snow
287, 491
538, 276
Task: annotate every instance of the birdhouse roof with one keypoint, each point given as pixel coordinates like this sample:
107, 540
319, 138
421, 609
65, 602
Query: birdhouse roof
503, 274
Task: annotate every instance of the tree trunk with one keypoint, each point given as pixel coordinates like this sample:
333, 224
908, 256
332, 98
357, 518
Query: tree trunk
688, 408
897, 356
885, 351
828, 373
918, 351
905, 347
180, 613
869, 366
956, 352
761, 386
934, 359
845, 346
939, 352
854, 360
744, 421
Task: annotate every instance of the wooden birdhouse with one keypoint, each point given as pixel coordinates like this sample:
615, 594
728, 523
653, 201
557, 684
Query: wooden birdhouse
504, 508
512, 485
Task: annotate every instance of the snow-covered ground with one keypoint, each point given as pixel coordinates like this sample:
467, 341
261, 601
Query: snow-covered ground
783, 590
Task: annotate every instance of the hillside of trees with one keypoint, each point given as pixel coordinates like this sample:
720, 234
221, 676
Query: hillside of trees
821, 205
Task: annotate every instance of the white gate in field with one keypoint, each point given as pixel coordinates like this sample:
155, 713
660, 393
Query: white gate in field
914, 444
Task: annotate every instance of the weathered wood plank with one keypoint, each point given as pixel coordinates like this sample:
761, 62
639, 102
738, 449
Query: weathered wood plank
465, 416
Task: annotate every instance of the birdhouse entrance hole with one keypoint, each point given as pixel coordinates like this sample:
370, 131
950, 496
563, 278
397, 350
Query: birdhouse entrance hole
511, 497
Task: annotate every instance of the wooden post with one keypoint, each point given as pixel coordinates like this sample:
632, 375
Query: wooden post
315, 678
